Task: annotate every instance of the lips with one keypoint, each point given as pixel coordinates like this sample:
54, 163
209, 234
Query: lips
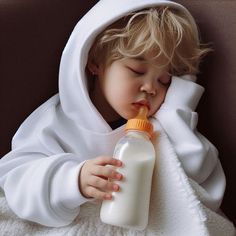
140, 103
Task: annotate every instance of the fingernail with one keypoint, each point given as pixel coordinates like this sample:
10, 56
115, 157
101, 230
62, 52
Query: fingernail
118, 176
108, 197
115, 187
119, 163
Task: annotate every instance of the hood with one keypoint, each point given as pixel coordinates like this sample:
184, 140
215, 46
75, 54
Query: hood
73, 92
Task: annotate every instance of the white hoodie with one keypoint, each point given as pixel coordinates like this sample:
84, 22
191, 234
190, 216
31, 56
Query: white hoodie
40, 175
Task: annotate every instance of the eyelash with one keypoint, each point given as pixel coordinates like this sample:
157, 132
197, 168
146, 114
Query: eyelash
142, 73
136, 72
164, 84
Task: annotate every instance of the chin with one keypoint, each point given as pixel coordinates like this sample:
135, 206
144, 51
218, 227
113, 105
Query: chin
152, 113
129, 115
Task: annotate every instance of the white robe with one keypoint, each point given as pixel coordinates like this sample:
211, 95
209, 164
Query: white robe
40, 175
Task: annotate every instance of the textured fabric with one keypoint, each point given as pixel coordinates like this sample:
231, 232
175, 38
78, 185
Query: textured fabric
40, 175
175, 209
35, 33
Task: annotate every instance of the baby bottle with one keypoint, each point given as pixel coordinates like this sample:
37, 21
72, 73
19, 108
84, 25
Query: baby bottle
129, 208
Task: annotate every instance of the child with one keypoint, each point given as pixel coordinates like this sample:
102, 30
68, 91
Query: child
121, 55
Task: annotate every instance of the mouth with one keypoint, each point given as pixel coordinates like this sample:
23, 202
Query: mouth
140, 103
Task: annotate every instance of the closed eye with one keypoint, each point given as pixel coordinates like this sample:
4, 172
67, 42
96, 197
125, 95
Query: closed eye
136, 71
165, 81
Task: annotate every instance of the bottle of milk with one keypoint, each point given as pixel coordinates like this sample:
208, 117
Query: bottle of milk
129, 208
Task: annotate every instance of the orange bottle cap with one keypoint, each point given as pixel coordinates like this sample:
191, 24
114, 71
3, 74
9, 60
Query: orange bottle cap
140, 122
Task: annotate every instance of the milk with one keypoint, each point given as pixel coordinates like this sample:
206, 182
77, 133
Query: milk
129, 208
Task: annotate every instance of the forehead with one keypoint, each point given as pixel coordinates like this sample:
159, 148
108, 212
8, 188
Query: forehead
153, 59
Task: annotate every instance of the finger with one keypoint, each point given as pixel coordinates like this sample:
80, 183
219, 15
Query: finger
98, 194
105, 160
107, 172
102, 184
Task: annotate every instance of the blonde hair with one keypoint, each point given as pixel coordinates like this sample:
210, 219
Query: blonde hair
165, 31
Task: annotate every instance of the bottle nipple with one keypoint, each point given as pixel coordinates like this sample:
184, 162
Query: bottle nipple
140, 122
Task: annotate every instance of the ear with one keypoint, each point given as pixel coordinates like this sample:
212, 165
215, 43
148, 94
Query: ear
93, 67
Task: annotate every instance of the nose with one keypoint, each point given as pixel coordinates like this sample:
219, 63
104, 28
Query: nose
149, 88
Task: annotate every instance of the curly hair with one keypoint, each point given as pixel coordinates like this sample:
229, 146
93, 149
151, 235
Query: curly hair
165, 31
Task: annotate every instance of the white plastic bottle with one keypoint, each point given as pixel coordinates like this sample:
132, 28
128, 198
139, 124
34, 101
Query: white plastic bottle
129, 208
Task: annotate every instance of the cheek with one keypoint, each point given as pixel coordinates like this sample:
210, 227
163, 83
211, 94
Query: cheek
163, 94
121, 87
158, 101
113, 87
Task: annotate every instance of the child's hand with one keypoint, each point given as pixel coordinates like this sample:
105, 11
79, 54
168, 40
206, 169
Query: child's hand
94, 174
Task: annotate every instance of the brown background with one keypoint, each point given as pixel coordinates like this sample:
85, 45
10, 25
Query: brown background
33, 34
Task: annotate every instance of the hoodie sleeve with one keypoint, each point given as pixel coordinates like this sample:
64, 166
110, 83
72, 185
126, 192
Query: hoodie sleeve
198, 156
41, 185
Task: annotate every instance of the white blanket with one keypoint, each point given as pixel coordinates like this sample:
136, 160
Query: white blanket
176, 209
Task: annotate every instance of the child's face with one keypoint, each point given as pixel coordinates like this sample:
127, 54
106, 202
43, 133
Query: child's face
129, 83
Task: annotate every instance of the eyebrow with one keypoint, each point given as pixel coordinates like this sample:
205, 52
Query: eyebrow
139, 58
142, 59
